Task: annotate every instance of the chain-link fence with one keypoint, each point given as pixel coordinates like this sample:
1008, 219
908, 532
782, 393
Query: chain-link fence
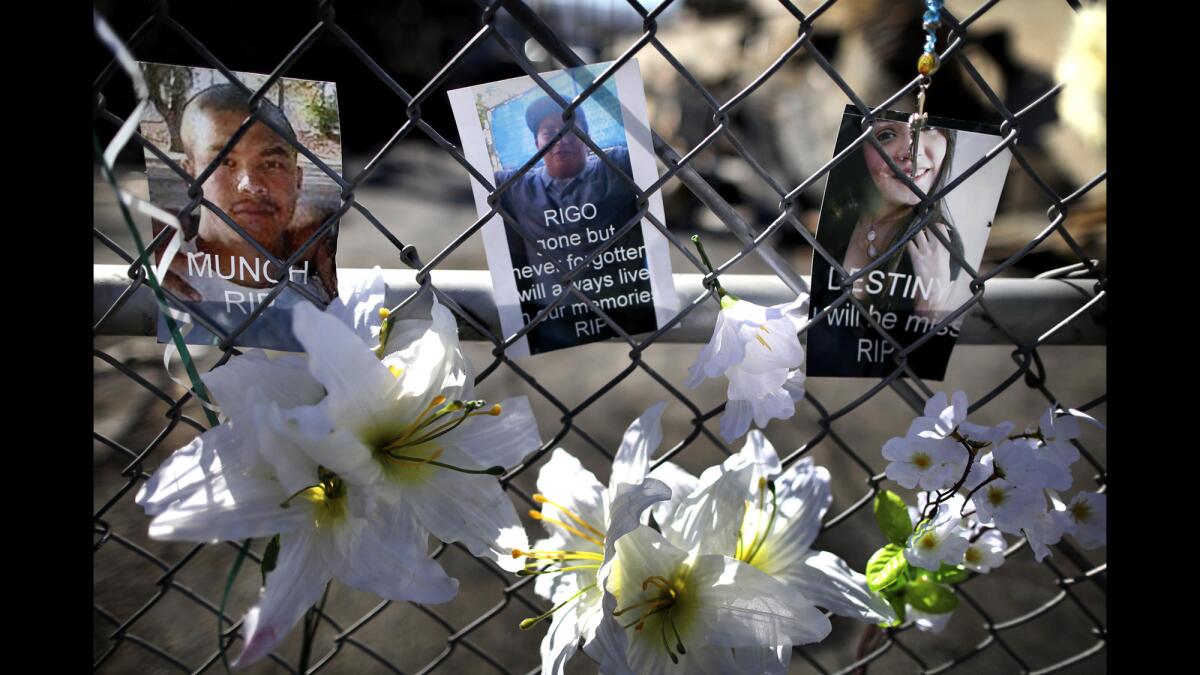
156, 603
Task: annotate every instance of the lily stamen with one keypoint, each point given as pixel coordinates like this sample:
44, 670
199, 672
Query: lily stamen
287, 503
533, 621
558, 555
393, 457
537, 515
760, 536
541, 499
533, 570
468, 408
420, 422
385, 329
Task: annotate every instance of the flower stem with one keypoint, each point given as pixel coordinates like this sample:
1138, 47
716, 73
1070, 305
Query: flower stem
721, 292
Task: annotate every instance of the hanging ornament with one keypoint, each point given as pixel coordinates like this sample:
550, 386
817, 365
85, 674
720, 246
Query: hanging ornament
927, 64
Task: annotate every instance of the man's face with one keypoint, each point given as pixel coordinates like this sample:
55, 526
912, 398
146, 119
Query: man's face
257, 183
566, 157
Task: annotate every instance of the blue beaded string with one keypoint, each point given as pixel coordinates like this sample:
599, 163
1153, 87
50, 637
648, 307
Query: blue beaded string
930, 23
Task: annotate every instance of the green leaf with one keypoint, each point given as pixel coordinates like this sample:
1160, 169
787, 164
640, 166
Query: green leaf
930, 597
896, 600
892, 517
951, 574
270, 557
886, 567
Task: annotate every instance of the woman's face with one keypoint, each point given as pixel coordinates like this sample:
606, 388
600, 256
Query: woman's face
895, 137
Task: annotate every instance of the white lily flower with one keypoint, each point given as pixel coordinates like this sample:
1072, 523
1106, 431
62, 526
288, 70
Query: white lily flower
309, 452
757, 349
1088, 519
734, 509
986, 553
675, 611
581, 515
940, 540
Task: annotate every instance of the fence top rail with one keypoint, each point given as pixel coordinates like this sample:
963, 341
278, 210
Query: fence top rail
1027, 308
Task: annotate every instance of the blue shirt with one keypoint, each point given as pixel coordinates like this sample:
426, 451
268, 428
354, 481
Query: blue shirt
611, 198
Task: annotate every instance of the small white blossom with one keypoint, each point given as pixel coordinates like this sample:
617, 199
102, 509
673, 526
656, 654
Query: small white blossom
938, 541
1044, 530
1087, 519
1015, 461
933, 464
1008, 507
986, 553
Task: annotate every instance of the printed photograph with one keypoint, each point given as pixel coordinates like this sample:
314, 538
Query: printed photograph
866, 209
275, 195
568, 202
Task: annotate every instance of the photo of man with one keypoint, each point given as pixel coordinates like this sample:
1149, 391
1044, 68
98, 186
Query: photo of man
568, 206
572, 185
275, 196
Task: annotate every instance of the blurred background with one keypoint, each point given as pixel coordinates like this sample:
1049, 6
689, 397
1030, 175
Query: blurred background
422, 196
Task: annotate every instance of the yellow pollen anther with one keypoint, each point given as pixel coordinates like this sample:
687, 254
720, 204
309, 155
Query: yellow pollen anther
763, 342
494, 411
395, 371
384, 312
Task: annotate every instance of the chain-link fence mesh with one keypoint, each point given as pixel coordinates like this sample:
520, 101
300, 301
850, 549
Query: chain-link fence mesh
156, 603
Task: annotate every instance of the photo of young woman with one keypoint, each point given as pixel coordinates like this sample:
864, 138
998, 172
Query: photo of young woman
866, 209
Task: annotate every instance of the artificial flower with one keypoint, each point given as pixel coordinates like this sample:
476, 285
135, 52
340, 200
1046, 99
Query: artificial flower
985, 553
1087, 519
351, 460
676, 611
939, 540
736, 509
757, 349
581, 514
1007, 506
931, 463
1043, 530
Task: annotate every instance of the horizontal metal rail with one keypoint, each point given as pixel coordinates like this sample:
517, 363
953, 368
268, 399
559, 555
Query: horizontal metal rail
1026, 308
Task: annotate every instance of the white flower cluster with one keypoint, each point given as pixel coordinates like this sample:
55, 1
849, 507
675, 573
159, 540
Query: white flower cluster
980, 482
352, 457
727, 583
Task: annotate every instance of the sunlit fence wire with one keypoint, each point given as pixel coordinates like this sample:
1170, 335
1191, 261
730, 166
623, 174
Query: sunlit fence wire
179, 568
